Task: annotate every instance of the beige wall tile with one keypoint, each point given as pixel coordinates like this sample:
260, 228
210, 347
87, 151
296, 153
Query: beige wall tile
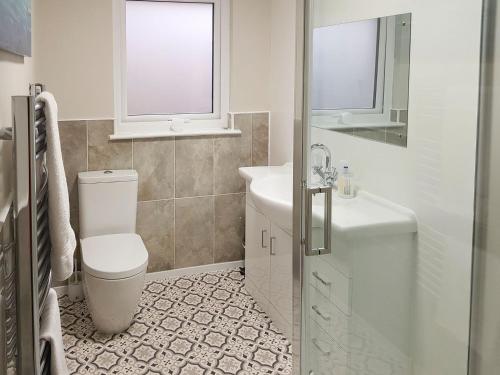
403, 116
397, 139
376, 134
260, 139
397, 135
198, 230
74, 220
106, 154
154, 162
345, 131
75, 224
403, 130
194, 231
155, 224
73, 135
194, 163
230, 153
229, 227
244, 123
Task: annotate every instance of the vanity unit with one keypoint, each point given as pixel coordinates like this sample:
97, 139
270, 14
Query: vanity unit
268, 258
357, 308
357, 300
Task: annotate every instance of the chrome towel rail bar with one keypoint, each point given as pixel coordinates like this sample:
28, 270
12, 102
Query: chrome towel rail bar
33, 247
6, 132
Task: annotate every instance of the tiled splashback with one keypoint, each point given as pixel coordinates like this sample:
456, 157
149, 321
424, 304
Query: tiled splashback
191, 198
394, 135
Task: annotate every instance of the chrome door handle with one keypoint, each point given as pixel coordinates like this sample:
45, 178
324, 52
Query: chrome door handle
318, 346
327, 221
262, 232
321, 280
321, 314
271, 242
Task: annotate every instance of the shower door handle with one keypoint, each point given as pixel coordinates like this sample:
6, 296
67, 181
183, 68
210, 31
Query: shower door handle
327, 221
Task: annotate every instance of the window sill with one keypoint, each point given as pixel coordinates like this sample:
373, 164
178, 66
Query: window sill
173, 133
360, 125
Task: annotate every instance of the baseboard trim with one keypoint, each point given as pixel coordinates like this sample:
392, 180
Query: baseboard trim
61, 290
155, 276
162, 275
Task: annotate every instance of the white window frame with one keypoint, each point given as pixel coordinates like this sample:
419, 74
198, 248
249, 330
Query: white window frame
383, 97
162, 125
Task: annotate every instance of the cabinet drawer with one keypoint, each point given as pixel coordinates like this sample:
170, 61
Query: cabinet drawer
331, 283
329, 317
325, 355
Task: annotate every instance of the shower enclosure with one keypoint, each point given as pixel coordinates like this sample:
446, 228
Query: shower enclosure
382, 281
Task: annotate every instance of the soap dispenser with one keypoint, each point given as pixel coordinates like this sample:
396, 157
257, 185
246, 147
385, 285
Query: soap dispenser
345, 187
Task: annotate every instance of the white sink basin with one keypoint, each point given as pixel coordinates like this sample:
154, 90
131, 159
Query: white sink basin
366, 214
273, 196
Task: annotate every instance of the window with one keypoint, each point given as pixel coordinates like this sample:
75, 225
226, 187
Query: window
171, 65
170, 48
348, 68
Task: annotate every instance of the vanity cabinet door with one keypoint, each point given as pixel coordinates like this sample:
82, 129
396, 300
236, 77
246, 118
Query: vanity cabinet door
280, 286
257, 265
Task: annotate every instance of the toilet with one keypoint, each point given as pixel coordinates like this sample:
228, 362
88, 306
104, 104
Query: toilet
114, 258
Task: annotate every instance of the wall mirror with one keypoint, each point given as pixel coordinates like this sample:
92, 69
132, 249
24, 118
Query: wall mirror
359, 78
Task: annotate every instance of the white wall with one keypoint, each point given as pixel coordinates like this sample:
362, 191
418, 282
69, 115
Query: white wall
75, 49
16, 73
250, 53
75, 45
76, 62
282, 81
434, 176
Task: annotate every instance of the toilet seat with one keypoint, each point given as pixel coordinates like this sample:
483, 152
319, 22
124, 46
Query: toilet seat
114, 256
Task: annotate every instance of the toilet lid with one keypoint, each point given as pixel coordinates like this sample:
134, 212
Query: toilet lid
114, 256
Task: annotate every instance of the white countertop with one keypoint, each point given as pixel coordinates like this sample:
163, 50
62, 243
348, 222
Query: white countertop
367, 215
251, 173
364, 215
371, 125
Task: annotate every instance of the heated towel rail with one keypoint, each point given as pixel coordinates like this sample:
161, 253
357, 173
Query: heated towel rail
8, 294
31, 227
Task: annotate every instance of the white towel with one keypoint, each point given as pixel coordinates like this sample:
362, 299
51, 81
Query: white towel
50, 331
62, 236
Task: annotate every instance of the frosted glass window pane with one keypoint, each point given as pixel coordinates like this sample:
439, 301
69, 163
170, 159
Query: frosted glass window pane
169, 57
345, 66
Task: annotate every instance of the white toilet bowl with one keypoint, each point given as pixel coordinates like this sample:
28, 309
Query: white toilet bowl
114, 268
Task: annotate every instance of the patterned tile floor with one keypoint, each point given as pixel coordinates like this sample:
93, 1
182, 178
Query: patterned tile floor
201, 324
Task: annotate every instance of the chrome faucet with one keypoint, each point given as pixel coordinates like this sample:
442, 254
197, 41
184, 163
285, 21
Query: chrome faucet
327, 172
